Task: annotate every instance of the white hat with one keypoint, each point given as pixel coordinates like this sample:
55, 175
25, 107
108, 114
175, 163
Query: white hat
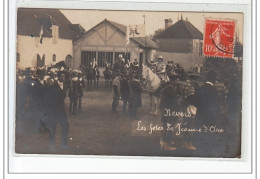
53, 71
120, 56
160, 57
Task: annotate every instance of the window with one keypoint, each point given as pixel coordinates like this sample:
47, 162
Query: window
54, 58
17, 57
103, 56
40, 61
68, 61
87, 57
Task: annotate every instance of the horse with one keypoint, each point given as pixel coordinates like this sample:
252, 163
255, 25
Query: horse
153, 85
91, 77
107, 75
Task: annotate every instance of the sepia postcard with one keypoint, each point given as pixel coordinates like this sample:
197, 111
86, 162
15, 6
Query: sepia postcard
129, 83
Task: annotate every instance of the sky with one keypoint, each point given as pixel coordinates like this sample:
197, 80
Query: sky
153, 19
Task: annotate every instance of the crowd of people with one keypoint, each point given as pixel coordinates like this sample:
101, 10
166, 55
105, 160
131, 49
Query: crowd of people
43, 91
126, 85
41, 96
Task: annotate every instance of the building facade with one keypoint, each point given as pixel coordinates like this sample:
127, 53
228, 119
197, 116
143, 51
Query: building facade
182, 43
44, 37
106, 41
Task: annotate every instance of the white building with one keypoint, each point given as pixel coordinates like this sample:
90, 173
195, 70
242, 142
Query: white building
44, 37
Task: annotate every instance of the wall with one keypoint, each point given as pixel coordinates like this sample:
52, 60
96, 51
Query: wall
104, 38
187, 61
29, 47
175, 45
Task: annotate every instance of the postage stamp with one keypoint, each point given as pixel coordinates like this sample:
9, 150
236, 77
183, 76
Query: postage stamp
219, 38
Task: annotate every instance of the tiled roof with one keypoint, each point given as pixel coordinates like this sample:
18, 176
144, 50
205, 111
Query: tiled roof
29, 22
145, 42
182, 29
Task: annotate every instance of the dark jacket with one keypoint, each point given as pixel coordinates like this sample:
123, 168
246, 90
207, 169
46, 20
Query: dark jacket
135, 94
125, 90
74, 87
170, 100
207, 103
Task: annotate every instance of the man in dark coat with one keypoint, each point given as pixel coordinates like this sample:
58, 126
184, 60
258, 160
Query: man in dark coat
135, 96
206, 101
170, 96
56, 111
125, 92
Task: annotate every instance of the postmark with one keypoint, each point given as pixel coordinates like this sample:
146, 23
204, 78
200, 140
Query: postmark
219, 38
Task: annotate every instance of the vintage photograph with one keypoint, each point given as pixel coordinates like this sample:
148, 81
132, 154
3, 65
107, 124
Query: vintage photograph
128, 83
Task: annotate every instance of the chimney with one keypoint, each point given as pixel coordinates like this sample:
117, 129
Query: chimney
168, 23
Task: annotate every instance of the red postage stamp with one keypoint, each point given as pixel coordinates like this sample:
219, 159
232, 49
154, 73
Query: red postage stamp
219, 38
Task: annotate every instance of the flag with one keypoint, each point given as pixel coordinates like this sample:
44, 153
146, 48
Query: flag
137, 30
41, 34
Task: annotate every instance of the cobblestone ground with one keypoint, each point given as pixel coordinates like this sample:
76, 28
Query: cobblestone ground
98, 131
